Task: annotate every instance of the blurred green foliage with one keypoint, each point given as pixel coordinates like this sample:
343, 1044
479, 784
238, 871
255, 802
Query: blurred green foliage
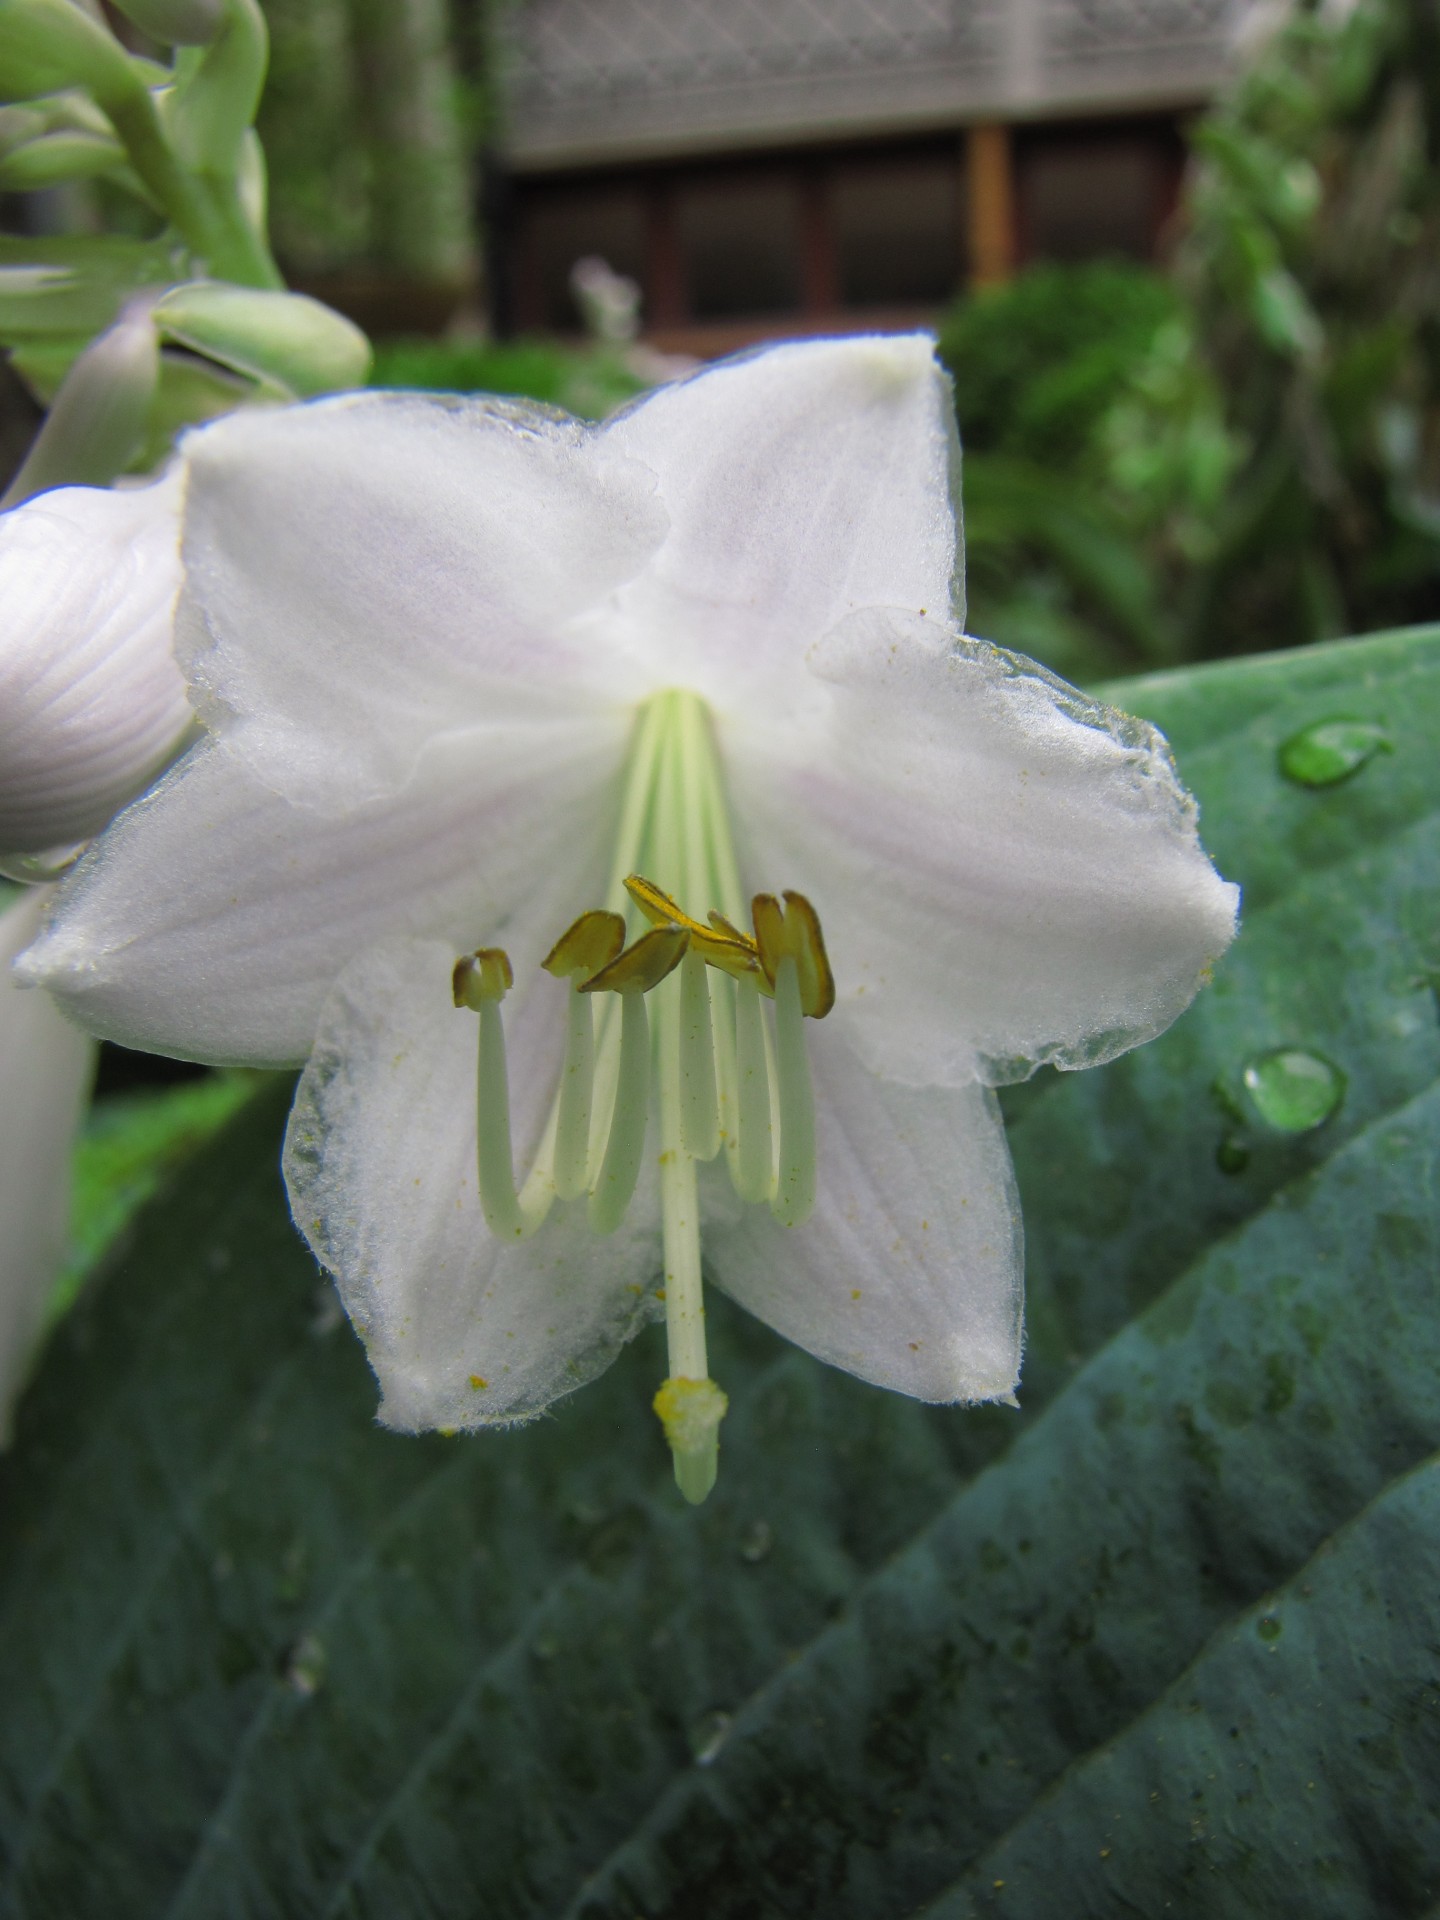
373, 116
1243, 454
591, 381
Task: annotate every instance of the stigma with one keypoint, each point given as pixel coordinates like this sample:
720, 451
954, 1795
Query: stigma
695, 1022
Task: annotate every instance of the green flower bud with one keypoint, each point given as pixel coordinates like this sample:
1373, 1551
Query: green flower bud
176, 23
57, 157
48, 45
283, 340
98, 421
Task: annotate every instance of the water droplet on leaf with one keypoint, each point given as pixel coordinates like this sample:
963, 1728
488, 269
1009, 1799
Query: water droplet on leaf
1331, 751
756, 1541
1269, 1627
1293, 1090
708, 1735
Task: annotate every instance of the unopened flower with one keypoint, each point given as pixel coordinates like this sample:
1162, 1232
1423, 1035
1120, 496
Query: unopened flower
92, 704
46, 1066
678, 709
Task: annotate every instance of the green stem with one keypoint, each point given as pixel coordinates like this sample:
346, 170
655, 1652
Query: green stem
203, 208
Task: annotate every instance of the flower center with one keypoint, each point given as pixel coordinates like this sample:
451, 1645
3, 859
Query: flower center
716, 1072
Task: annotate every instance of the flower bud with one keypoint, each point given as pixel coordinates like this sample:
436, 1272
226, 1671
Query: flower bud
284, 340
176, 23
57, 157
92, 704
48, 45
97, 422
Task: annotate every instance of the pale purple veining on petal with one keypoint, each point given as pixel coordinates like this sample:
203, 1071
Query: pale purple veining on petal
92, 704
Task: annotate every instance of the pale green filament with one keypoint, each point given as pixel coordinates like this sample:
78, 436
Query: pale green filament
572, 1125
699, 1103
752, 1168
506, 1214
795, 1183
621, 1167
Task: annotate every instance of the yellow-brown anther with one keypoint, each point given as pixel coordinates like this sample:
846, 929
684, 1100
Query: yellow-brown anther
642, 965
482, 976
792, 932
592, 943
719, 944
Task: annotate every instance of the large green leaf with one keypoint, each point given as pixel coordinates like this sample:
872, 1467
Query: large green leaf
1162, 1642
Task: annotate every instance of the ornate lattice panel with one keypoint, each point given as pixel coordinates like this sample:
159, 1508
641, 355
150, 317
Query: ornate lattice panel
590, 78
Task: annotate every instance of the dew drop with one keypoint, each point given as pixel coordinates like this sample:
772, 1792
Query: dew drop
1331, 751
756, 1541
306, 1672
1293, 1090
1268, 1627
708, 1735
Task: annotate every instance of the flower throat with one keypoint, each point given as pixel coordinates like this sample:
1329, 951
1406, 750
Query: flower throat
719, 1076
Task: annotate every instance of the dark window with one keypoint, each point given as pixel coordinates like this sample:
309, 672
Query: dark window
740, 246
1084, 198
897, 226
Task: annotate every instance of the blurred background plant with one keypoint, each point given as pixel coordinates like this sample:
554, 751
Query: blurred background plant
1244, 452
141, 294
1232, 448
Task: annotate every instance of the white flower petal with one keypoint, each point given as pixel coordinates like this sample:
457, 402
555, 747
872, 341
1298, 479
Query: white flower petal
367, 572
909, 1271
45, 1070
92, 704
380, 1164
1006, 872
801, 484
212, 919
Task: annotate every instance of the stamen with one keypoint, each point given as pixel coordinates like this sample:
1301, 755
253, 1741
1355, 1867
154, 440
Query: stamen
629, 1117
639, 968
481, 980
793, 931
794, 1199
752, 1170
720, 944
699, 1104
590, 944
642, 965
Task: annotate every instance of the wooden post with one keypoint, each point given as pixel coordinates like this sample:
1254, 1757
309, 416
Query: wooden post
666, 300
819, 267
990, 162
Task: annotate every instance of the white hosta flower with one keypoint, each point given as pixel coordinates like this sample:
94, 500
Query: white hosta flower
468, 667
92, 704
45, 1070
